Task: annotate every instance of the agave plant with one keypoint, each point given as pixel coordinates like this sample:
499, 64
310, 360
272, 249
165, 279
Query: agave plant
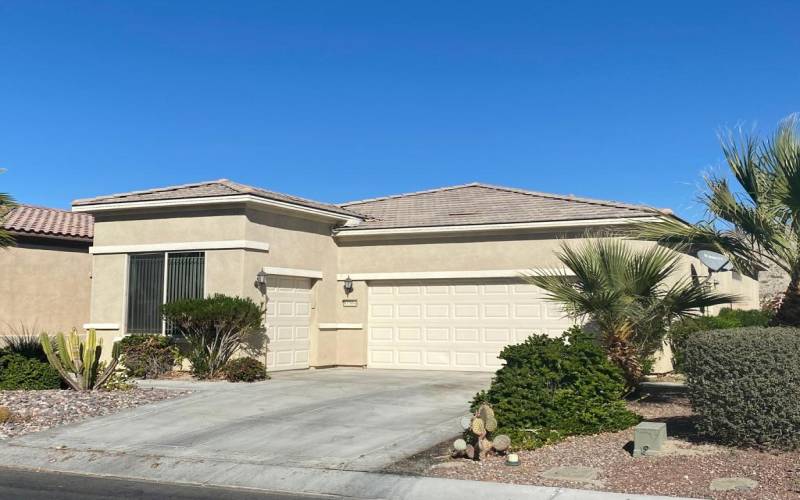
755, 222
78, 362
630, 296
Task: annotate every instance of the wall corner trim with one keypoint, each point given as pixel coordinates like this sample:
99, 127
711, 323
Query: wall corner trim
340, 326
101, 326
181, 246
430, 275
289, 271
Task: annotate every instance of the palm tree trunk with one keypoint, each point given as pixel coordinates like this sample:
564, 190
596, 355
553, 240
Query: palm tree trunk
623, 354
788, 313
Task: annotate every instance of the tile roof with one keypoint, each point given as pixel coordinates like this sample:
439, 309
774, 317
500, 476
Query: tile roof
478, 203
29, 219
221, 187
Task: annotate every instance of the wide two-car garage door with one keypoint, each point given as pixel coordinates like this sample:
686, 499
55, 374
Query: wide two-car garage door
454, 324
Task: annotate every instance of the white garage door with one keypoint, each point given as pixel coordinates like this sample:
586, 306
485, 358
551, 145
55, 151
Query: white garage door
454, 324
288, 322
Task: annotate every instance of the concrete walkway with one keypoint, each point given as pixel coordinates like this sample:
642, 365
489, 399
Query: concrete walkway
316, 432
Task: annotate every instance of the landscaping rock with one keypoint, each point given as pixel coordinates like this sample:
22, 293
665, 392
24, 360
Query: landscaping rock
733, 483
572, 473
38, 410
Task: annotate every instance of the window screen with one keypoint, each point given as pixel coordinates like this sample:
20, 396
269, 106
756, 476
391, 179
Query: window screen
145, 292
146, 287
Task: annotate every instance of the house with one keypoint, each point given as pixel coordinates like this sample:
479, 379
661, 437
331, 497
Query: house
46, 275
425, 280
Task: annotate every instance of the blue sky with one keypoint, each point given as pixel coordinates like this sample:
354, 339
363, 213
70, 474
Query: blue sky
340, 100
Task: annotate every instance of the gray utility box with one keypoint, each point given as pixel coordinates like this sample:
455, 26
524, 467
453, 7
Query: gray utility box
649, 438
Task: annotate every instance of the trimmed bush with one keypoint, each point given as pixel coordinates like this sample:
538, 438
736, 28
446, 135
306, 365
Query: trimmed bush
18, 372
551, 388
148, 356
744, 386
245, 370
681, 330
215, 328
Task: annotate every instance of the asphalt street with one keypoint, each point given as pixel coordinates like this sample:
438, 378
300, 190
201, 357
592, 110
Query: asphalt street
17, 483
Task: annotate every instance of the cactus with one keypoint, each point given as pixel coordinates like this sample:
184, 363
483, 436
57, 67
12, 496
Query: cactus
485, 412
501, 442
482, 423
477, 426
460, 445
78, 362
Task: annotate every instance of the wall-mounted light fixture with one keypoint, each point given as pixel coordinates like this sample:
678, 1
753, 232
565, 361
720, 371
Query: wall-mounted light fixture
348, 286
261, 281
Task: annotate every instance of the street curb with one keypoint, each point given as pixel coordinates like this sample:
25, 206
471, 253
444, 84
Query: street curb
341, 483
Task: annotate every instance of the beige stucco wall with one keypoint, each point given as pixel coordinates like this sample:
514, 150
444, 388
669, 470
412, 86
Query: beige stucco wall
44, 286
299, 243
477, 253
294, 243
304, 243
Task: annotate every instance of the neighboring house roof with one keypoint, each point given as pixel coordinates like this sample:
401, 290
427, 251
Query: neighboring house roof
476, 203
42, 221
218, 188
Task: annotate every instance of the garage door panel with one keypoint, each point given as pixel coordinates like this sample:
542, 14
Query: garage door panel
455, 324
409, 311
437, 290
500, 311
465, 311
434, 334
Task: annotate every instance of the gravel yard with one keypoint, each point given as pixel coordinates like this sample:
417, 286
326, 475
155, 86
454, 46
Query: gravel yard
34, 411
688, 471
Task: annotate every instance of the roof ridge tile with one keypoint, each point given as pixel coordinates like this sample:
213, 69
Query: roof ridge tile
411, 193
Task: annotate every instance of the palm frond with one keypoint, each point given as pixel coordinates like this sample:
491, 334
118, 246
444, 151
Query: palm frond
6, 204
704, 235
686, 299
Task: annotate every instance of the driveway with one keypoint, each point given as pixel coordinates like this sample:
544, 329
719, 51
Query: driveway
345, 419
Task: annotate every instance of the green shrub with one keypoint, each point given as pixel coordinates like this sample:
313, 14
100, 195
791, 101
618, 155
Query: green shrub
215, 328
26, 345
245, 370
18, 372
119, 381
744, 385
148, 356
551, 388
681, 330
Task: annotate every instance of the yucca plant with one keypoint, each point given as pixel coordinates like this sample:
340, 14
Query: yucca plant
629, 296
78, 362
756, 221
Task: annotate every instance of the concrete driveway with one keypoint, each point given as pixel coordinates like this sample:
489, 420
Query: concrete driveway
346, 419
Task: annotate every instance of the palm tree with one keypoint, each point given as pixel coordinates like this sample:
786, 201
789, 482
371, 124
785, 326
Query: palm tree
629, 296
6, 204
757, 222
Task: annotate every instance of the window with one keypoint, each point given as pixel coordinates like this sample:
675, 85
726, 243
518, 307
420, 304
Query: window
147, 278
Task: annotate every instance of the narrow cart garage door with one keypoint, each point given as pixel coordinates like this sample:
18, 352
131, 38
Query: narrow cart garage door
288, 322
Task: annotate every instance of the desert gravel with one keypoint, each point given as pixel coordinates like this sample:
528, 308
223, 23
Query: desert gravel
33, 411
687, 472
